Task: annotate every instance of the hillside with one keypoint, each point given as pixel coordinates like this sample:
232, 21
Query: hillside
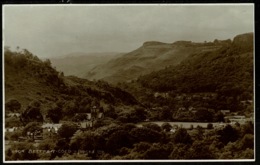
208, 71
29, 79
151, 56
227, 72
78, 64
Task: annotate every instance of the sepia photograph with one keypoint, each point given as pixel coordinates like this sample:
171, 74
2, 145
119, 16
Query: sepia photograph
128, 83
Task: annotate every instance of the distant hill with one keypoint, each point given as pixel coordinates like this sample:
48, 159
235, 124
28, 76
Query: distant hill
27, 78
78, 64
151, 56
227, 71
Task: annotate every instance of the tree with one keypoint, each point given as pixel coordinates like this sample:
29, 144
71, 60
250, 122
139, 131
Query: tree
247, 128
153, 126
246, 154
62, 145
219, 117
246, 142
210, 126
47, 144
179, 151
13, 122
55, 114
14, 135
67, 130
32, 113
203, 115
158, 151
84, 105
83, 141
140, 113
141, 147
199, 133
200, 150
117, 140
111, 112
79, 117
69, 108
228, 134
146, 135
182, 136
166, 126
47, 62
12, 105
165, 114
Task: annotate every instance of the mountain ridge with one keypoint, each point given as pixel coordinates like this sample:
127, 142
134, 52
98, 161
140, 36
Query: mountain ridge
151, 56
227, 68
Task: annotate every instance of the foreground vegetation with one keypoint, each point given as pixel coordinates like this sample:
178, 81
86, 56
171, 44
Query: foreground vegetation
126, 141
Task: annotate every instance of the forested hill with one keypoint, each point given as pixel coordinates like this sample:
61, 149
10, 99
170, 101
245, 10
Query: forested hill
151, 56
28, 79
227, 71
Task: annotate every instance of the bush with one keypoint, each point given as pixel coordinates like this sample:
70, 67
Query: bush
12, 105
67, 130
210, 126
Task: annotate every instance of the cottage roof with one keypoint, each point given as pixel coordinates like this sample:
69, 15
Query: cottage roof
88, 116
225, 110
100, 115
51, 125
13, 114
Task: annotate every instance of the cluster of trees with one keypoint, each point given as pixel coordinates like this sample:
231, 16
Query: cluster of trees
127, 141
166, 113
26, 62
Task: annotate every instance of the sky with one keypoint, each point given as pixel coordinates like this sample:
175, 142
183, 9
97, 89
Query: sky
51, 30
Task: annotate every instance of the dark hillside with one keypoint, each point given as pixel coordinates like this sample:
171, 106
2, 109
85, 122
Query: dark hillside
228, 71
28, 79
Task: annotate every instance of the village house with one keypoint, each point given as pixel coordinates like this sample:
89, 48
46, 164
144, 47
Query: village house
235, 119
192, 110
173, 130
196, 96
188, 98
164, 95
51, 127
37, 135
246, 102
13, 129
85, 124
90, 118
13, 115
225, 112
180, 97
206, 98
182, 109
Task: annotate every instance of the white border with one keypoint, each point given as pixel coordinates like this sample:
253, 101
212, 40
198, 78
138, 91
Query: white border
124, 161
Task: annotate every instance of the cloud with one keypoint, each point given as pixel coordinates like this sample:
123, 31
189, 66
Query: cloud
58, 30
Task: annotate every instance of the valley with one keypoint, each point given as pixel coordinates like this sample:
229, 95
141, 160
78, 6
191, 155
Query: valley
180, 100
